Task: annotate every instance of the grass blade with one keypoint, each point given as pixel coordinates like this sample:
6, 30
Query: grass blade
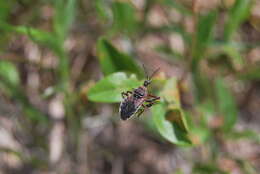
64, 16
238, 14
203, 35
226, 104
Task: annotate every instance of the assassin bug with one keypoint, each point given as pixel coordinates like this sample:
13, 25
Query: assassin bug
135, 102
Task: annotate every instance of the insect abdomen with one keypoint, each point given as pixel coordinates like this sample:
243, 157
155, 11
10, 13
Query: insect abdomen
127, 109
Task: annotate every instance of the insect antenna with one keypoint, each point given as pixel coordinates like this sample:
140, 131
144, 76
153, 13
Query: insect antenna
154, 73
150, 77
145, 71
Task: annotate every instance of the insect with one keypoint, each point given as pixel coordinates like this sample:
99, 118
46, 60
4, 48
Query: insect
137, 101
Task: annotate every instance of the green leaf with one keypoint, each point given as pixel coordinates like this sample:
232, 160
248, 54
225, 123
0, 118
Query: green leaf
111, 60
64, 16
124, 17
170, 93
226, 104
45, 38
171, 131
9, 73
108, 90
169, 117
238, 14
203, 35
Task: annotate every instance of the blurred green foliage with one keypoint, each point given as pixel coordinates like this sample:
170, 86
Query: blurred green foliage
124, 17
111, 60
226, 104
188, 127
237, 14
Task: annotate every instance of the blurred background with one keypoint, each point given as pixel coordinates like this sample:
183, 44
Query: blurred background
64, 64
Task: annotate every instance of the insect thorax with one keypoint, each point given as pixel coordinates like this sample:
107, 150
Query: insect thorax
140, 92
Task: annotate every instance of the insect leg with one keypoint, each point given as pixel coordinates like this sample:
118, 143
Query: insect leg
151, 101
144, 108
141, 110
150, 104
129, 92
125, 94
153, 96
